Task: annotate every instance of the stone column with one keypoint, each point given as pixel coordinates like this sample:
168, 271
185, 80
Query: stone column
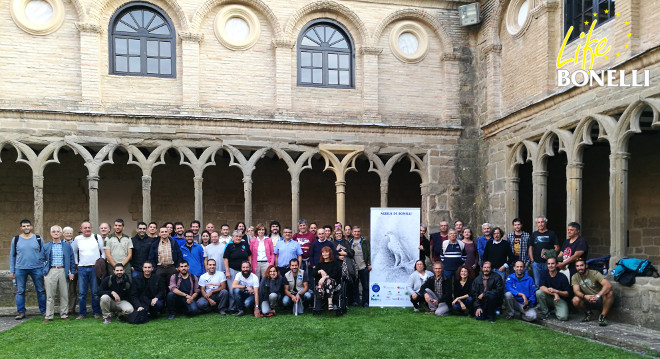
190, 69
451, 78
370, 83
283, 75
574, 192
426, 210
384, 184
540, 194
38, 184
339, 168
146, 199
93, 182
295, 201
493, 62
199, 198
512, 198
618, 205
90, 73
247, 194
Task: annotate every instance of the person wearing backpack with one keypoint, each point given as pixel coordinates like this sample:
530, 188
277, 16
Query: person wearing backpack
24, 261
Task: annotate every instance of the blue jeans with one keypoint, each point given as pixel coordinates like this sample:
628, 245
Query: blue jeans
230, 283
502, 274
87, 280
306, 299
242, 298
363, 279
468, 305
175, 302
538, 269
38, 280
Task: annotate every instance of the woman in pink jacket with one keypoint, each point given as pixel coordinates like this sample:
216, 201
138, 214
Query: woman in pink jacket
262, 251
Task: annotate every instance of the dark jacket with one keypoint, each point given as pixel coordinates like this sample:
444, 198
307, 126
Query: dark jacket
176, 252
268, 286
460, 291
145, 289
366, 249
109, 284
333, 269
426, 251
446, 288
69, 260
494, 285
498, 254
141, 249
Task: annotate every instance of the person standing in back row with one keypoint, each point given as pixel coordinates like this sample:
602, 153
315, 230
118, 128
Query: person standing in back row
24, 261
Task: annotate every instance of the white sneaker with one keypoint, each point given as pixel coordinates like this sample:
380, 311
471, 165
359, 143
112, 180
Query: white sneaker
416, 310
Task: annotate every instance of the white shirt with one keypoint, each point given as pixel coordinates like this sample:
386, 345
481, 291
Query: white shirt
216, 251
211, 282
251, 281
275, 238
261, 250
87, 250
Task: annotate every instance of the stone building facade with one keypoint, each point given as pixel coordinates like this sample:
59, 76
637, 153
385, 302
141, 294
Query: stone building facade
463, 121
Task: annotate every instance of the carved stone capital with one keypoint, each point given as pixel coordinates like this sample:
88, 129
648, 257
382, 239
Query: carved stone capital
371, 50
284, 43
88, 27
495, 48
191, 36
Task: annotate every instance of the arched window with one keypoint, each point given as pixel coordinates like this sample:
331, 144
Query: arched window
325, 55
142, 42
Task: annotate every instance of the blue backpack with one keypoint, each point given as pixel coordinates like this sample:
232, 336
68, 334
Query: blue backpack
628, 268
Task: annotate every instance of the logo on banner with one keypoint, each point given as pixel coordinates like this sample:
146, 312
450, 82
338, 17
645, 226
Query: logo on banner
588, 53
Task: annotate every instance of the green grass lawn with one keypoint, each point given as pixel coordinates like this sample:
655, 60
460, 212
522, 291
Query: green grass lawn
362, 333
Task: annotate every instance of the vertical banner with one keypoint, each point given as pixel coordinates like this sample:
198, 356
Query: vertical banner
394, 250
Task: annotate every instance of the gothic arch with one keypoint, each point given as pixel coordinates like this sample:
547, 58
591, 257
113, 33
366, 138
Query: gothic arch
417, 14
545, 148
629, 122
331, 6
516, 156
204, 9
582, 133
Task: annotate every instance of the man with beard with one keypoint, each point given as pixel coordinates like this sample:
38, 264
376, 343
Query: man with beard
487, 292
520, 293
245, 290
141, 247
592, 291
147, 291
213, 289
115, 291
193, 253
275, 235
184, 288
553, 292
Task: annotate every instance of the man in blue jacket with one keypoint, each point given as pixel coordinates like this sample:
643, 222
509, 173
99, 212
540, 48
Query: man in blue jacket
193, 253
520, 293
59, 268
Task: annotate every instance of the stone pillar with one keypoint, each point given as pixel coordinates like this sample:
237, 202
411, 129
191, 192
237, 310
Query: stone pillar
247, 193
384, 184
618, 205
90, 74
340, 188
426, 209
146, 199
283, 75
540, 195
370, 83
339, 168
493, 62
451, 78
190, 69
295, 202
574, 192
38, 185
199, 198
93, 182
512, 198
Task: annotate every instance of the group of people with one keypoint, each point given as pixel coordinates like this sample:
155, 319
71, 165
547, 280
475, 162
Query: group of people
177, 270
484, 276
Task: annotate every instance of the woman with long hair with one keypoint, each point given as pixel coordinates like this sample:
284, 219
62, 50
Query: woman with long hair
472, 256
270, 290
462, 284
328, 275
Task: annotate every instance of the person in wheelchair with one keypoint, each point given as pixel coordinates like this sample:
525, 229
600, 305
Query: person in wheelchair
327, 274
